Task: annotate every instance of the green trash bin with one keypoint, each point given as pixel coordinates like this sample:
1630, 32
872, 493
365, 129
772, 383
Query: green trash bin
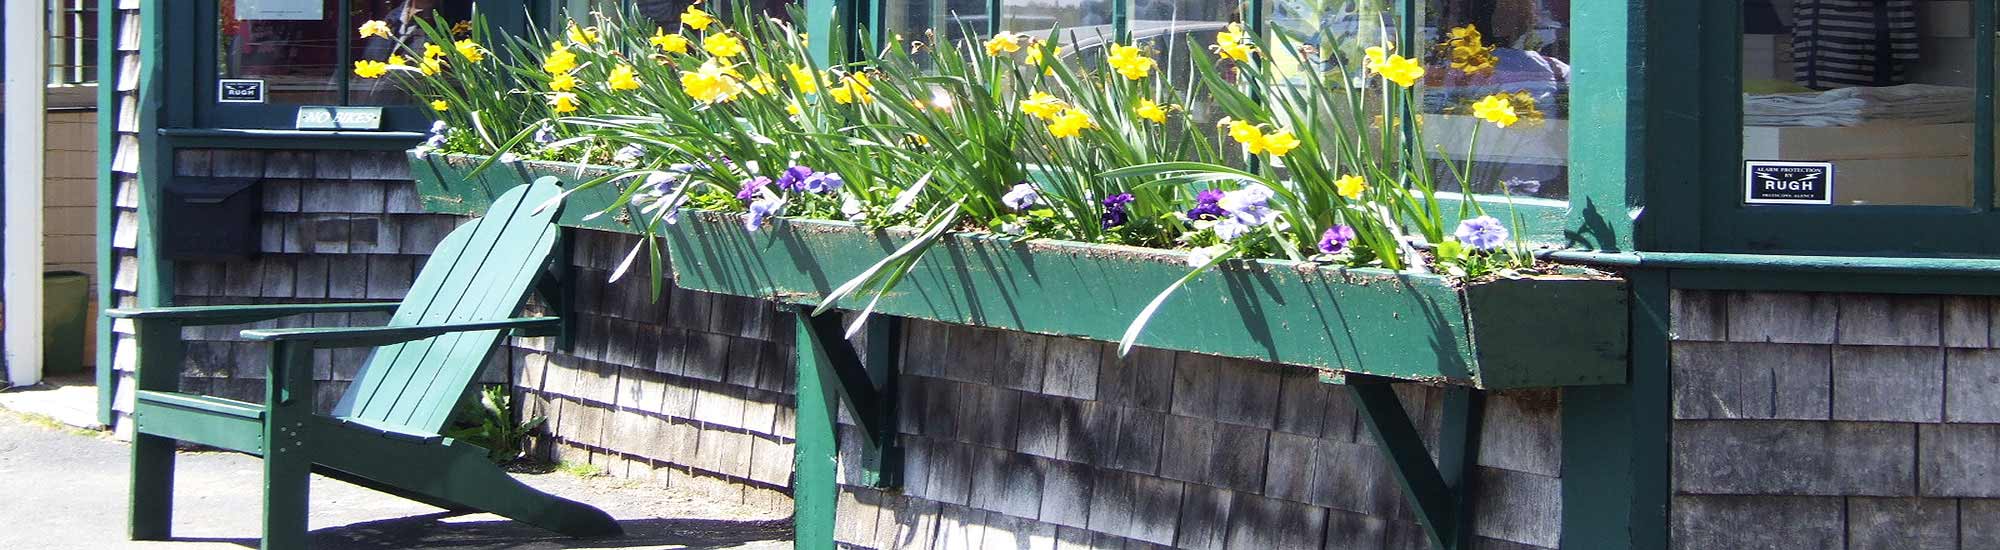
65, 309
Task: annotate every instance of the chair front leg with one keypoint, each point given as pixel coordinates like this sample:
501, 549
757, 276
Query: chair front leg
288, 404
152, 487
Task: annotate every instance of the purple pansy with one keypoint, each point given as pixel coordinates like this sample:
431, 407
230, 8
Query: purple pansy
1021, 197
1115, 213
1335, 239
822, 183
752, 187
762, 209
1205, 207
1483, 233
794, 178
1249, 205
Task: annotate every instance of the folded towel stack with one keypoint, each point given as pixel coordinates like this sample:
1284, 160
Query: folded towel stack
1903, 104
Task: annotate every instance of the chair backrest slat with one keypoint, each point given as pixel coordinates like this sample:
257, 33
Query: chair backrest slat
482, 271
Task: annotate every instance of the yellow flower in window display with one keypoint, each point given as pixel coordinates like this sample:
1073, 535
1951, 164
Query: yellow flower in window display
712, 83
696, 19
1003, 43
560, 60
1525, 107
1350, 186
562, 83
803, 79
623, 78
368, 68
1401, 70
461, 28
1151, 110
671, 43
1280, 143
375, 28
1468, 51
1130, 62
470, 50
1233, 44
722, 45
1071, 123
563, 102
1497, 110
440, 105
581, 35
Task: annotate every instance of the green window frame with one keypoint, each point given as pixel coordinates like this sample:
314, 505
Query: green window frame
1595, 216
1727, 225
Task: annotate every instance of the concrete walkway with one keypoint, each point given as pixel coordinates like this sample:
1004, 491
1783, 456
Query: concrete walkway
65, 489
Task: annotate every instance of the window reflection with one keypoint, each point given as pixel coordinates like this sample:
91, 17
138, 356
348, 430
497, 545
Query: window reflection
1518, 49
292, 46
954, 19
1873, 97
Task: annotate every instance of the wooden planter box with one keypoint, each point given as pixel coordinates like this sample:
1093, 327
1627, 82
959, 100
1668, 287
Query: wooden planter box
1517, 333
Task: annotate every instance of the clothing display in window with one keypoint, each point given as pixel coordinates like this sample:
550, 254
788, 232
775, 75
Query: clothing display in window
1903, 104
1839, 43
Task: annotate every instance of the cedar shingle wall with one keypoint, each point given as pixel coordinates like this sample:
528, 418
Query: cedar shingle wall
1835, 421
123, 272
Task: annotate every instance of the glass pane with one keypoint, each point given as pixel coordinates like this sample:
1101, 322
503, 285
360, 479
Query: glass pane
1517, 50
293, 45
910, 19
1087, 17
1170, 30
1858, 103
402, 17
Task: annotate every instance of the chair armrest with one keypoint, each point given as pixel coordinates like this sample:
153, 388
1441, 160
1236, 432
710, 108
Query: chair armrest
239, 314
357, 337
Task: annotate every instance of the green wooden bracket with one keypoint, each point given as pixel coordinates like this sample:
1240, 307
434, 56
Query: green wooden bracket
557, 288
828, 368
1440, 491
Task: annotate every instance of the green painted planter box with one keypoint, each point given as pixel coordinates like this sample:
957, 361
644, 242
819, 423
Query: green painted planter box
1517, 333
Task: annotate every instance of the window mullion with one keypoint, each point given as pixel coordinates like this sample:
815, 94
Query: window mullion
343, 50
1982, 107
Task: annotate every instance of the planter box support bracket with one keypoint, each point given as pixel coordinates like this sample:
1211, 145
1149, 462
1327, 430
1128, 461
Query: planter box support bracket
1439, 491
830, 368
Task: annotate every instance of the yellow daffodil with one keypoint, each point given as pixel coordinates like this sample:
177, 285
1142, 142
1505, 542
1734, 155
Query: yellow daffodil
1130, 62
674, 43
1003, 43
440, 105
581, 35
763, 84
433, 51
563, 102
1244, 132
1043, 106
397, 60
1234, 44
1350, 186
722, 45
1401, 70
1496, 109
562, 82
792, 108
712, 83
433, 62
1151, 110
623, 78
1280, 142
697, 19
1035, 56
1374, 57
370, 69
854, 87
1070, 123
560, 60
470, 50
803, 79
375, 28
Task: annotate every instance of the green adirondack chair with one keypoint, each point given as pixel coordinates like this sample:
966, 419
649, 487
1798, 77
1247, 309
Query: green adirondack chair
384, 433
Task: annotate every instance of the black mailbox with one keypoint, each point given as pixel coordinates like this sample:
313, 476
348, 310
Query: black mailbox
208, 218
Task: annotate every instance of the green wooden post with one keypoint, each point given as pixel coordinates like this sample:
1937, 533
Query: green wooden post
1616, 439
882, 459
815, 490
288, 402
1438, 491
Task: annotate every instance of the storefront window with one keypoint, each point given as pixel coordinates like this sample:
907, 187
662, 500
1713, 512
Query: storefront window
1858, 103
954, 19
1517, 48
301, 49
